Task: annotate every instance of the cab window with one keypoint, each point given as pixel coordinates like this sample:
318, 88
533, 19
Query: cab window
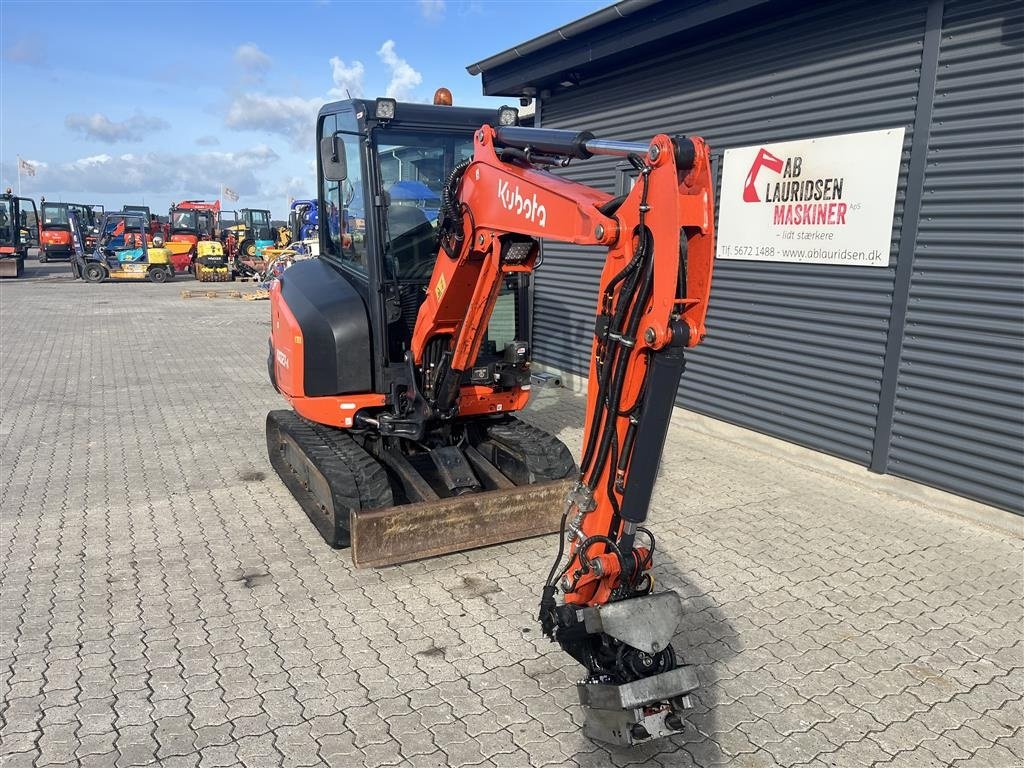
345, 208
183, 220
6, 222
29, 223
55, 215
413, 168
120, 235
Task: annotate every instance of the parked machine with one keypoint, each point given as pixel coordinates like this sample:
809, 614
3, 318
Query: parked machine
304, 225
121, 253
55, 232
140, 209
19, 231
211, 263
303, 219
190, 222
404, 378
254, 232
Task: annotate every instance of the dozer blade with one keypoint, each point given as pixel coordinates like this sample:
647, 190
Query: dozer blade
415, 531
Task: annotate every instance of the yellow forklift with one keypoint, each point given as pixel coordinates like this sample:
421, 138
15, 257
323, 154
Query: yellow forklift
121, 253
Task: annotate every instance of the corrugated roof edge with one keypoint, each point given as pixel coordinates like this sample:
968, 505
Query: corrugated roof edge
597, 40
592, 21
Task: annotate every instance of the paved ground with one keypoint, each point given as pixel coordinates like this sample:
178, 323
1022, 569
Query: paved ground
165, 602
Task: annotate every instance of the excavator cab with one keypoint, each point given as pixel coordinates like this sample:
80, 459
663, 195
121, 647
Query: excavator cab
56, 228
386, 250
19, 231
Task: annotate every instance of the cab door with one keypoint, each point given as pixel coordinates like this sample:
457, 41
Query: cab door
28, 224
261, 225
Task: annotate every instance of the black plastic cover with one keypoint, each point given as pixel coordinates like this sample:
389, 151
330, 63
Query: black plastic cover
335, 329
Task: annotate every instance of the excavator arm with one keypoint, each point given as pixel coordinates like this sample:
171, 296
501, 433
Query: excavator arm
651, 305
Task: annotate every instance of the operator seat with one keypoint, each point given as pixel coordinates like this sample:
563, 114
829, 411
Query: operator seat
412, 256
412, 242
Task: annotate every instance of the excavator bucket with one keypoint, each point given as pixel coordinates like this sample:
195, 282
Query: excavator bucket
391, 509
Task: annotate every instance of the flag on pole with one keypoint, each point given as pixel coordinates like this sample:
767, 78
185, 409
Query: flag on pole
24, 166
230, 194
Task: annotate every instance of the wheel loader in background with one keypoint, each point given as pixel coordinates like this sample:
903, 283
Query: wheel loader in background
252, 234
403, 443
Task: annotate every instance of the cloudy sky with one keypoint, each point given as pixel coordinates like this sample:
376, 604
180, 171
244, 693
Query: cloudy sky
149, 103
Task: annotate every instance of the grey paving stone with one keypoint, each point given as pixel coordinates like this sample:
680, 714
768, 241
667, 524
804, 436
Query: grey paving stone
183, 610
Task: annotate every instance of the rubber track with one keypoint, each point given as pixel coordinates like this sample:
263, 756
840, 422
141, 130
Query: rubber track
544, 455
369, 475
356, 480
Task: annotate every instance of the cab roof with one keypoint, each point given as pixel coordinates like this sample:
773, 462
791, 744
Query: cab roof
411, 115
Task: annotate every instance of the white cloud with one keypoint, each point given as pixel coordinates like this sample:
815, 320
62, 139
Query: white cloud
292, 186
160, 172
254, 61
250, 56
432, 10
291, 116
403, 77
101, 128
87, 162
294, 117
208, 141
347, 79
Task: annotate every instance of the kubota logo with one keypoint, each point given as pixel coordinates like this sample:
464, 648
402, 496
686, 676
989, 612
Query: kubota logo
527, 207
764, 159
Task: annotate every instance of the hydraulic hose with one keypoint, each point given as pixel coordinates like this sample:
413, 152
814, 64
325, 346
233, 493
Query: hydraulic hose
625, 302
451, 225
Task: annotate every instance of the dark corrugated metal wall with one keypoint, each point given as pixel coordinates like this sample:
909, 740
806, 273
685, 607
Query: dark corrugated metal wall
797, 351
793, 350
959, 418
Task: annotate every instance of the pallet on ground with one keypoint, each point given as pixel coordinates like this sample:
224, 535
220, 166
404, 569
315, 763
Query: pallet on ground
211, 294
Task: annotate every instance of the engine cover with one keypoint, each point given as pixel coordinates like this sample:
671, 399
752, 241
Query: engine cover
323, 326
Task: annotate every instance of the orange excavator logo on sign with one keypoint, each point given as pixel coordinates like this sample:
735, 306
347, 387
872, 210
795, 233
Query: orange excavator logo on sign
764, 159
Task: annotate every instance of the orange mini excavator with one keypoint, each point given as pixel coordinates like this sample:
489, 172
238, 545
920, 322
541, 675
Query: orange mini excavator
403, 351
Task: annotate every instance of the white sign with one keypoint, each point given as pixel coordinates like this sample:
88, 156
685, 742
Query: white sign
827, 200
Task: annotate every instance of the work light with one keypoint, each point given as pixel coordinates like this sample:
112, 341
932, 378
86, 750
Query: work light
508, 116
385, 109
